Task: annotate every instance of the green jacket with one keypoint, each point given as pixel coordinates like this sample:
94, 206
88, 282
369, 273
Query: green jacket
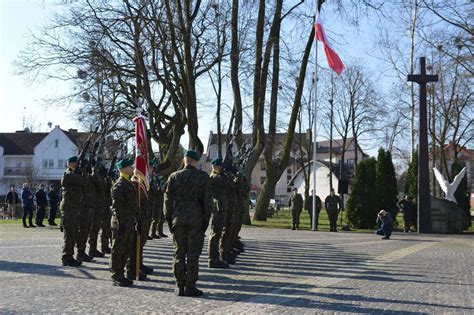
124, 201
72, 188
188, 197
220, 189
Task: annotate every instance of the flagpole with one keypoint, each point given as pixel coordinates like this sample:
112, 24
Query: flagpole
313, 223
138, 242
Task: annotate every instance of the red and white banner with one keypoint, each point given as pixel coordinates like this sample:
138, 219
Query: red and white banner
335, 63
141, 152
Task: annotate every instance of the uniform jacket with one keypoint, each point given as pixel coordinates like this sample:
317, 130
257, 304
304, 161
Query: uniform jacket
124, 201
332, 203
221, 186
309, 203
188, 197
296, 201
72, 187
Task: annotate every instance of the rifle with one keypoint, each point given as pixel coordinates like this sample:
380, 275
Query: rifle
110, 172
227, 164
85, 147
93, 152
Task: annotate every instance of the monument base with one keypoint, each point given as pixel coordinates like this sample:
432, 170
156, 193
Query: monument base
447, 217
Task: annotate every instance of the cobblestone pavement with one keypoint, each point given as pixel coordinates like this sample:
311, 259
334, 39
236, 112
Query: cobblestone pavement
281, 271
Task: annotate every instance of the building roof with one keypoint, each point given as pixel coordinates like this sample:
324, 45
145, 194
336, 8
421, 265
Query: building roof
24, 143
20, 142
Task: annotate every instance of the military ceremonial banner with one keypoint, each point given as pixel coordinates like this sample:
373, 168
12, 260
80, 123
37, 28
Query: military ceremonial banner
141, 152
335, 63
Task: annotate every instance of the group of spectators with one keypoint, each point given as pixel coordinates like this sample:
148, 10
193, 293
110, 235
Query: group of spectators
30, 202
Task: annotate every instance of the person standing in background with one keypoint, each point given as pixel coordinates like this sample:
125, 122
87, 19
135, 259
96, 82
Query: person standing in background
12, 200
41, 203
53, 201
28, 205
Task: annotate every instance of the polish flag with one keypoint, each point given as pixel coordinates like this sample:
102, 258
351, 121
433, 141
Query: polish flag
335, 63
141, 152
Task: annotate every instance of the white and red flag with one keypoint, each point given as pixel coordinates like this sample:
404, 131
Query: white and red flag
335, 63
141, 152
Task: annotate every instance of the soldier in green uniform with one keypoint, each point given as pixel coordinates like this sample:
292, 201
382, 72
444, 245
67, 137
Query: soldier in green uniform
72, 187
333, 205
99, 186
85, 217
106, 233
309, 208
124, 204
155, 207
188, 206
220, 186
140, 215
296, 206
227, 254
242, 203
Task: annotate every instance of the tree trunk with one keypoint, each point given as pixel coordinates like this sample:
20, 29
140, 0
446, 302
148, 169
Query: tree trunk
234, 70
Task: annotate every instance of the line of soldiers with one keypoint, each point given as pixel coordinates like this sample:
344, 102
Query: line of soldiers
191, 198
85, 210
332, 204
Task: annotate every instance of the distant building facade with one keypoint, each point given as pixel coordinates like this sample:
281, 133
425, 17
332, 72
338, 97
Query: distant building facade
36, 156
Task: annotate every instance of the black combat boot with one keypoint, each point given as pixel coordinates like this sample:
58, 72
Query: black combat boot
179, 291
218, 264
96, 253
84, 257
154, 235
146, 270
230, 259
163, 235
293, 228
121, 282
192, 291
71, 263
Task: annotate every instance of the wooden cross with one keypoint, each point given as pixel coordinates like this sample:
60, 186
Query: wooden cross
424, 204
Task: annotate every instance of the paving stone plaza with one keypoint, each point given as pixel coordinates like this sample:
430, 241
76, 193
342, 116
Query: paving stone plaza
281, 271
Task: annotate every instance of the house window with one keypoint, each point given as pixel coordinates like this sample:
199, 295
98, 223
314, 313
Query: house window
62, 163
56, 143
262, 166
288, 190
48, 163
288, 177
289, 171
262, 180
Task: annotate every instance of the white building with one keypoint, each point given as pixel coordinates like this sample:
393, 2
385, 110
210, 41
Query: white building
36, 156
322, 180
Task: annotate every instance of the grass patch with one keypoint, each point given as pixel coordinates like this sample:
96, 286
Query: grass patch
283, 220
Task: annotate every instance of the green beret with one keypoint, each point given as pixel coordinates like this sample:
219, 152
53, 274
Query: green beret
124, 163
72, 159
216, 162
192, 154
